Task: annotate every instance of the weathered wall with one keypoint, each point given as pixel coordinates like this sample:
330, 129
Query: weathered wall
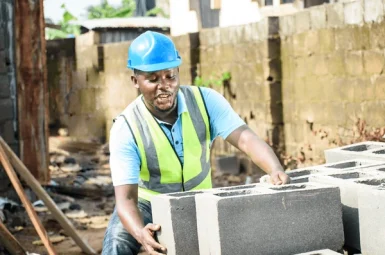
250, 53
61, 65
8, 103
85, 115
333, 81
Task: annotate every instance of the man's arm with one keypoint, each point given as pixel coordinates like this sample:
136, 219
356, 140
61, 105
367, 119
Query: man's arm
260, 153
129, 214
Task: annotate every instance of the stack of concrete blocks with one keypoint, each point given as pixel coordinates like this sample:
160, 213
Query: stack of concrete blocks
364, 150
347, 182
250, 219
302, 175
371, 206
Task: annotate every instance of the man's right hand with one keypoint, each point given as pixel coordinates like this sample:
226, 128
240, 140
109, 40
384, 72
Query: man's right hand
148, 242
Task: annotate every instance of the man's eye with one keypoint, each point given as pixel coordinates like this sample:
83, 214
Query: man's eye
171, 77
153, 79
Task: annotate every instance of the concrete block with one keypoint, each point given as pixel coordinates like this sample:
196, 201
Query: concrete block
320, 252
287, 25
302, 21
374, 62
352, 164
312, 210
346, 181
6, 109
4, 86
176, 214
354, 12
351, 151
302, 175
228, 164
371, 204
318, 17
373, 10
335, 15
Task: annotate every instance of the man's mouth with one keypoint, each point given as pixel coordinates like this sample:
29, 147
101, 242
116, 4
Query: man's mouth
163, 96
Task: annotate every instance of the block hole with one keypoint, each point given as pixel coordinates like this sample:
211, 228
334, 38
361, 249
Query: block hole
347, 176
362, 147
234, 194
239, 187
289, 187
299, 173
185, 194
299, 180
379, 152
373, 182
382, 169
347, 164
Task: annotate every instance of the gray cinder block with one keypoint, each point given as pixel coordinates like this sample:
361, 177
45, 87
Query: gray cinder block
371, 204
321, 252
346, 181
353, 151
176, 214
286, 219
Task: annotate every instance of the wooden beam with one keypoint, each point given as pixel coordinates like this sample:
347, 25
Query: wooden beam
32, 92
42, 194
27, 204
10, 242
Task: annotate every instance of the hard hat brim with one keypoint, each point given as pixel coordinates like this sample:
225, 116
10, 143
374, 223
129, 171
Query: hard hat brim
157, 67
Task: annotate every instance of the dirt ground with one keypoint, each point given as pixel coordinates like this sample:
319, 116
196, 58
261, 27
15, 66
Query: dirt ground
80, 184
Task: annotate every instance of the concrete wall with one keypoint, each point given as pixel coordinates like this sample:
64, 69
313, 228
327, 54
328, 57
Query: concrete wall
8, 104
333, 82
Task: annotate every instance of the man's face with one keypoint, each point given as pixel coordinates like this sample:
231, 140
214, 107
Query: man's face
159, 88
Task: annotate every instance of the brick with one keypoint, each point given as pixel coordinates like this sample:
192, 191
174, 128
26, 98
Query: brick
326, 40
314, 213
318, 17
350, 152
344, 39
380, 87
2, 38
348, 186
321, 252
371, 204
337, 63
3, 67
302, 21
4, 86
6, 107
287, 25
373, 10
7, 131
354, 12
377, 36
335, 15
354, 63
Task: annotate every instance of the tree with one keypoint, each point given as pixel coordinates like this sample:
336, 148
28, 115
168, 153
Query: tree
105, 10
66, 28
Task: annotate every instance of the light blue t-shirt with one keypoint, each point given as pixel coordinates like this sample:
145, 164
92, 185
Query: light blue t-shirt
124, 153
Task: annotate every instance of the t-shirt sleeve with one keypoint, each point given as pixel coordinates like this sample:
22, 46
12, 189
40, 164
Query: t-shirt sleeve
223, 119
124, 154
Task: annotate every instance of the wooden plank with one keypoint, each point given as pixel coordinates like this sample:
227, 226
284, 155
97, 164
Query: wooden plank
10, 242
32, 92
42, 194
27, 204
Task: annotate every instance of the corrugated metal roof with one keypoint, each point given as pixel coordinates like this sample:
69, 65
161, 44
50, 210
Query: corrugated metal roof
134, 22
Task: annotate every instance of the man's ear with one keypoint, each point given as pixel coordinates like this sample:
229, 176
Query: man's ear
134, 80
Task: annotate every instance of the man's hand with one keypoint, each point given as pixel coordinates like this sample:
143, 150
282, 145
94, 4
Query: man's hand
279, 178
148, 242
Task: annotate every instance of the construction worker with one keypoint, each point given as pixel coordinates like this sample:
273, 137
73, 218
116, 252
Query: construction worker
160, 143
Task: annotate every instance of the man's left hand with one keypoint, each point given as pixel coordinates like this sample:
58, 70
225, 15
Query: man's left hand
279, 178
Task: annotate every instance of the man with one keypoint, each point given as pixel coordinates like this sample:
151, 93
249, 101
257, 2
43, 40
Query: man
160, 143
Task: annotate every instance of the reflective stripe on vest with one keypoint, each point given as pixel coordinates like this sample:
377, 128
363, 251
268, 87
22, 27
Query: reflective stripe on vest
161, 170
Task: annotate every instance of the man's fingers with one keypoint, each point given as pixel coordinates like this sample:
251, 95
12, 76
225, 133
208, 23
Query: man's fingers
285, 178
155, 245
275, 179
153, 227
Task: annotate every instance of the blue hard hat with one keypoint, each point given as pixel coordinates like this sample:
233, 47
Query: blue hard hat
152, 51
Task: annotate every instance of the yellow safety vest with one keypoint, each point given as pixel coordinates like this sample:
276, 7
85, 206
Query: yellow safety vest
161, 170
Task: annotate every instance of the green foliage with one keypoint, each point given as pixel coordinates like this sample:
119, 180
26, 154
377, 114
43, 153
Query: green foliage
226, 76
157, 11
66, 28
105, 10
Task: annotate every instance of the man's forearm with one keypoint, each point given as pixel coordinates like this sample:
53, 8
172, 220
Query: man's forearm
262, 155
130, 217
258, 150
